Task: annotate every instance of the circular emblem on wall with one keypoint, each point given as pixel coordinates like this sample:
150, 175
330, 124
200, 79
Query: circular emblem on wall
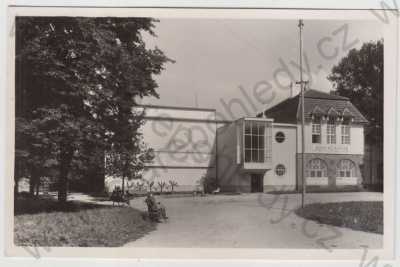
280, 137
280, 170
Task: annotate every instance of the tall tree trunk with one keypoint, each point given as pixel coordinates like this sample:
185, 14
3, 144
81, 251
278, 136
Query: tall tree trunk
125, 174
65, 164
33, 181
31, 186
123, 184
16, 186
37, 187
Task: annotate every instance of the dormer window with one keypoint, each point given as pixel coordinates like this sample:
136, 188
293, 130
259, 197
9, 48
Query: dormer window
345, 132
316, 131
331, 131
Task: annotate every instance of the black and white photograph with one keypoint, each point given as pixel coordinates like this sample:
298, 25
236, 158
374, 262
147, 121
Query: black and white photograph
202, 132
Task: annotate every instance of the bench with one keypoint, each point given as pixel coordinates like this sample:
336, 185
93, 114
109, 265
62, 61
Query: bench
154, 214
216, 191
118, 197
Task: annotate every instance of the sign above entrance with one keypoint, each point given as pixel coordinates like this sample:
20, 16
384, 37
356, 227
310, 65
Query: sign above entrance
336, 149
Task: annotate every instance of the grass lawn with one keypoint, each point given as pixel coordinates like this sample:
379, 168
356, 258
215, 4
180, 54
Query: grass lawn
365, 216
76, 224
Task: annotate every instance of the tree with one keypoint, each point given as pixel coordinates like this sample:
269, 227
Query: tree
140, 185
77, 81
127, 160
150, 185
33, 154
161, 185
172, 184
130, 187
359, 76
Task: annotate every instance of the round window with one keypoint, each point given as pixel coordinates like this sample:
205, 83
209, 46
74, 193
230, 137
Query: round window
280, 170
280, 137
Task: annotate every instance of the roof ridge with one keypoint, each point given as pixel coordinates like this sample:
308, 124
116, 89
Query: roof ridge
289, 109
317, 94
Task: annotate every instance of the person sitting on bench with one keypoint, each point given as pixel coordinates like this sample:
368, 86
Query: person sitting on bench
118, 196
156, 209
216, 191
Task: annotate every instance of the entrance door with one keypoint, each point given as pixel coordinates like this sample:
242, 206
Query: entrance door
257, 182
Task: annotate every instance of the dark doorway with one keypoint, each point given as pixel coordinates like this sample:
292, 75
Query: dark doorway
257, 182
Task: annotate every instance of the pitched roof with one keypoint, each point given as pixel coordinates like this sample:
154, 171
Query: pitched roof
311, 93
285, 111
288, 111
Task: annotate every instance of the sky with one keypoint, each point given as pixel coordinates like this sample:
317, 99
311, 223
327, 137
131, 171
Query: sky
243, 66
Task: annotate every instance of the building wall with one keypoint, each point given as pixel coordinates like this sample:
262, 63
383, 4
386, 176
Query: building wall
184, 145
356, 146
188, 179
229, 173
190, 144
232, 176
282, 153
331, 154
331, 161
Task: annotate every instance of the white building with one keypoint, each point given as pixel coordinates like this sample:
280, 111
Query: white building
260, 153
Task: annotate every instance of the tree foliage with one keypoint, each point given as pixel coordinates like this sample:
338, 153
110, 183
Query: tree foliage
173, 184
359, 76
77, 80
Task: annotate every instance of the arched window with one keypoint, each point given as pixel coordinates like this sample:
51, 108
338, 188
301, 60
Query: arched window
346, 168
316, 168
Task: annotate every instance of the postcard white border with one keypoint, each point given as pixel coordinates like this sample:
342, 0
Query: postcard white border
391, 37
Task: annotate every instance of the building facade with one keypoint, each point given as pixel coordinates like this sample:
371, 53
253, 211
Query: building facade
260, 153
183, 140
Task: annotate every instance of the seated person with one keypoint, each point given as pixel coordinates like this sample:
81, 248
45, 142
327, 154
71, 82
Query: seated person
154, 206
163, 211
115, 193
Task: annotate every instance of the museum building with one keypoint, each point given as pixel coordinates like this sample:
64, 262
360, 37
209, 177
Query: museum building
260, 153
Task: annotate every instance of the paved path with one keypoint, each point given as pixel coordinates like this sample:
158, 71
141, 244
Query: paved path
252, 220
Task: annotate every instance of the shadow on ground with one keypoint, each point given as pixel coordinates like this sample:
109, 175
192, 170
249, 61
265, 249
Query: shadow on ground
26, 204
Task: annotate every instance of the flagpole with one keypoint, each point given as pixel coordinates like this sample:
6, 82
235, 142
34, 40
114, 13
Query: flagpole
303, 191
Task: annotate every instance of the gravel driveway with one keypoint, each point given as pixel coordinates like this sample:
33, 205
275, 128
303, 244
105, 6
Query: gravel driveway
252, 221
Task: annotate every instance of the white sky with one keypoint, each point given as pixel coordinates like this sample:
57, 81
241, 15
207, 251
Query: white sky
215, 58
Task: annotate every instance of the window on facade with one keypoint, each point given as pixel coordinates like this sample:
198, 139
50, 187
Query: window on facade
254, 141
346, 168
345, 131
280, 137
317, 168
280, 170
331, 131
316, 132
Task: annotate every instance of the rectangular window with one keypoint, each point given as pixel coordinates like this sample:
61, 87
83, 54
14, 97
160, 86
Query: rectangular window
247, 155
331, 133
254, 155
316, 133
345, 130
254, 141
